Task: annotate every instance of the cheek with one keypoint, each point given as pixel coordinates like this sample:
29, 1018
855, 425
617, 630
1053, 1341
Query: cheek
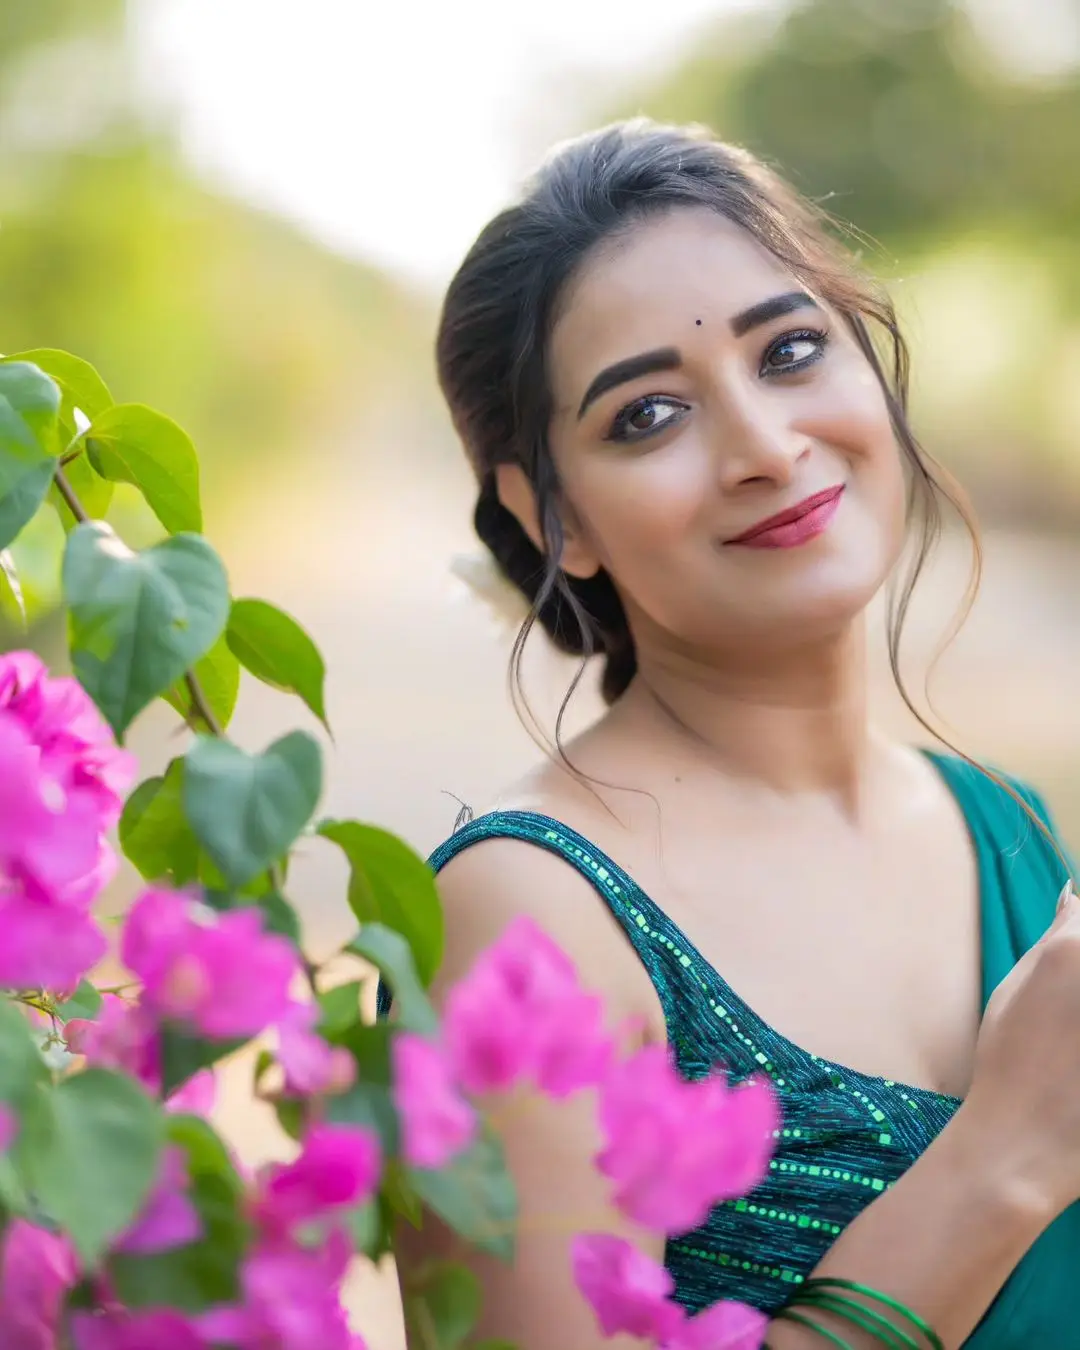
637, 507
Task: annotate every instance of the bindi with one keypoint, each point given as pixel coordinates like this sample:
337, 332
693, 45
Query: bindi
698, 322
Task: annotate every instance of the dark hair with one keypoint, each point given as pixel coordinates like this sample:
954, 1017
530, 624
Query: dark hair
502, 303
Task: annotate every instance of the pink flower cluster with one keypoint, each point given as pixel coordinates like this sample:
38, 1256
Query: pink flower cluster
518, 1016
218, 975
673, 1149
61, 790
39, 1268
631, 1293
290, 1280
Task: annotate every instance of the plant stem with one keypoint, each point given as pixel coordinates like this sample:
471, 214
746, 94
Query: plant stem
200, 705
68, 493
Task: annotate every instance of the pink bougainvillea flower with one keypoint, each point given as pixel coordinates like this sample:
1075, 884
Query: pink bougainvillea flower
159, 1329
675, 1149
62, 780
123, 1036
78, 750
38, 1268
196, 1097
168, 1219
339, 1166
436, 1122
519, 1014
221, 974
291, 1300
724, 1326
311, 1065
628, 1290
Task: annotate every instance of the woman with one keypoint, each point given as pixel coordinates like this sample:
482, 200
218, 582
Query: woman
691, 461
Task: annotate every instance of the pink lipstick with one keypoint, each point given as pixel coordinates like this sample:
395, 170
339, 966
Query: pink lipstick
797, 525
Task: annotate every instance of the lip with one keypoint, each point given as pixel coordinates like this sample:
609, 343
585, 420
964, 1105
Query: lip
797, 525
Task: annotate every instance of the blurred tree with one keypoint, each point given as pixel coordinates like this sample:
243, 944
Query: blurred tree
891, 113
258, 340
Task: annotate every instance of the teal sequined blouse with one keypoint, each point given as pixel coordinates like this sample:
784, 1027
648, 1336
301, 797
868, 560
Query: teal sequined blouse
845, 1136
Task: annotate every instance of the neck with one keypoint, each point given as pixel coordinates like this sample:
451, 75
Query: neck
795, 722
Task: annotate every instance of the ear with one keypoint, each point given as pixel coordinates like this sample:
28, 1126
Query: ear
516, 493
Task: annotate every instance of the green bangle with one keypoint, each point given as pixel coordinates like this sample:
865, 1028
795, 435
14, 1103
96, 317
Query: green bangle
886, 1333
875, 1296
788, 1316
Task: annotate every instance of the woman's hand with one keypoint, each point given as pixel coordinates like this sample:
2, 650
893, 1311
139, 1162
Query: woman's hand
1022, 1114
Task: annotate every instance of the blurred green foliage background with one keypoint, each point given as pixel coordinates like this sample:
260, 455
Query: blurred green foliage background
306, 379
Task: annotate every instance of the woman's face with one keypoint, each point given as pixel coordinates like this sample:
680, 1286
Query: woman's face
699, 393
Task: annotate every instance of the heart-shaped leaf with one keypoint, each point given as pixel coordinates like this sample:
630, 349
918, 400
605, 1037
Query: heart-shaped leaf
276, 650
29, 431
247, 810
391, 885
89, 1152
139, 620
128, 443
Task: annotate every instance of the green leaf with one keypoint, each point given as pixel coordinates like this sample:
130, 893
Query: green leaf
276, 650
89, 1151
93, 492
368, 1102
12, 603
340, 1007
139, 620
205, 1272
154, 832
80, 384
21, 1066
29, 440
371, 1227
391, 885
443, 1309
85, 1002
247, 810
128, 443
218, 672
391, 955
475, 1195
497, 1344
183, 1055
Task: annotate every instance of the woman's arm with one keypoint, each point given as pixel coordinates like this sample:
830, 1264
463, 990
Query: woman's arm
942, 1242
549, 1146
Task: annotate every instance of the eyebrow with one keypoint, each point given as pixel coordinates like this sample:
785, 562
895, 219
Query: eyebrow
622, 372
773, 308
670, 358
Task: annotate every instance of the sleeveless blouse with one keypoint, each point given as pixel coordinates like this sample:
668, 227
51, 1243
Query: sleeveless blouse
845, 1136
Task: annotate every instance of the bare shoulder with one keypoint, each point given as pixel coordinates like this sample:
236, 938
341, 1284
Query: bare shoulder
492, 881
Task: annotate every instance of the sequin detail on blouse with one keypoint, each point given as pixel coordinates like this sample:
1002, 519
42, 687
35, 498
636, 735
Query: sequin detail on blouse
845, 1137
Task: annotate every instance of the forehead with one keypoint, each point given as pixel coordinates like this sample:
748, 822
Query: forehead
646, 287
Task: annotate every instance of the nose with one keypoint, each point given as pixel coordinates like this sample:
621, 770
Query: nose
757, 443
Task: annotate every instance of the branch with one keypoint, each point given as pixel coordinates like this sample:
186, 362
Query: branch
68, 493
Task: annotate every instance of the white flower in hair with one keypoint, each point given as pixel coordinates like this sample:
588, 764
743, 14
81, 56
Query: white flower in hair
481, 577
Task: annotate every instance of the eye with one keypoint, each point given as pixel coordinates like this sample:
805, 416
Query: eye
644, 417
794, 351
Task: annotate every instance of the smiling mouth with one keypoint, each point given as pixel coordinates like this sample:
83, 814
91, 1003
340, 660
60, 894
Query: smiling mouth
797, 525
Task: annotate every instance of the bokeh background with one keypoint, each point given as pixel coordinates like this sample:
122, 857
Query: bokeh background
242, 211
